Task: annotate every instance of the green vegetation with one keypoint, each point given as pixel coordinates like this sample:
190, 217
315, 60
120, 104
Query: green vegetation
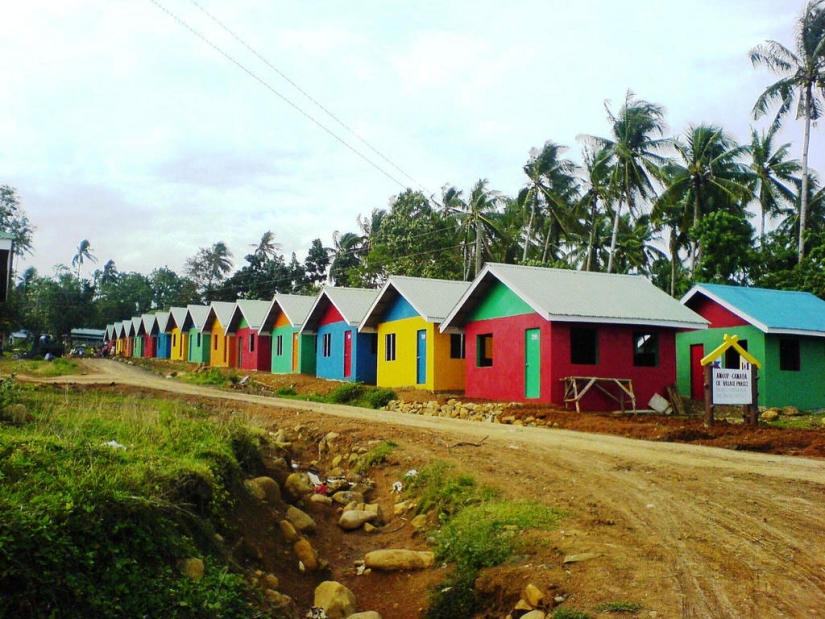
211, 376
38, 367
103, 496
375, 456
620, 606
805, 421
569, 613
476, 531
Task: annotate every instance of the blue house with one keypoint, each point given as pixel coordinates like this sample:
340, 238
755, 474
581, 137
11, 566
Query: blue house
164, 345
342, 353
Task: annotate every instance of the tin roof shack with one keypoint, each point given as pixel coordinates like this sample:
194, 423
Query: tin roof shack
292, 351
254, 349
223, 351
198, 339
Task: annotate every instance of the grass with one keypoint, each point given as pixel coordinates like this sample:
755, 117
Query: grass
375, 456
569, 613
103, 495
477, 530
804, 421
58, 367
620, 606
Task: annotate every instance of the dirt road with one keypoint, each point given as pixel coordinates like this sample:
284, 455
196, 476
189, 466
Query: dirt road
688, 531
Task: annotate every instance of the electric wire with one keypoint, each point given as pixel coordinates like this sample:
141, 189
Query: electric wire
305, 93
276, 93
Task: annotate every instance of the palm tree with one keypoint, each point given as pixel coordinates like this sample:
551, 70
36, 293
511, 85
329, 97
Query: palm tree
267, 247
597, 176
476, 219
346, 255
800, 74
635, 157
83, 253
773, 173
706, 177
550, 182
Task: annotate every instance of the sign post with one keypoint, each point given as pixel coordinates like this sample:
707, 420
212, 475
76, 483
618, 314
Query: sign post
729, 385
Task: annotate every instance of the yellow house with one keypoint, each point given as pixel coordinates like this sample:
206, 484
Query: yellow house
411, 350
179, 338
223, 351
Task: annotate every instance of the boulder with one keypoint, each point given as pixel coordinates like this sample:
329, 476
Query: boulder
301, 520
337, 601
534, 614
790, 411
289, 531
306, 554
345, 497
399, 559
769, 415
297, 485
367, 614
353, 519
265, 489
532, 595
278, 600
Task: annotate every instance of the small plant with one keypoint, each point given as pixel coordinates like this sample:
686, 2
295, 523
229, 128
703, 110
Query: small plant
346, 392
620, 606
455, 598
376, 455
379, 398
286, 391
447, 492
569, 613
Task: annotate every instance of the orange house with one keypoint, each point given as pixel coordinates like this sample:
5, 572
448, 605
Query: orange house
223, 352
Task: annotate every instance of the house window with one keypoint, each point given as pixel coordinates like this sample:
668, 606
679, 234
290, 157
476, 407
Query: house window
646, 350
326, 345
457, 346
251, 342
789, 354
174, 339
216, 342
584, 349
279, 346
732, 361
484, 350
389, 347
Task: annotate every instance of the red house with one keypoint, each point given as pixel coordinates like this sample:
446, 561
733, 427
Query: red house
254, 346
534, 334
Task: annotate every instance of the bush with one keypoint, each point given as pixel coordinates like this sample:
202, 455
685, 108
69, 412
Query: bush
346, 392
379, 398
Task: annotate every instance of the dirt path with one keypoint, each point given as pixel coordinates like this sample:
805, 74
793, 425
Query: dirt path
688, 531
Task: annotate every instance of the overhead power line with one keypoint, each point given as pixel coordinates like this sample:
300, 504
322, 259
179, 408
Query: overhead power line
276, 93
306, 94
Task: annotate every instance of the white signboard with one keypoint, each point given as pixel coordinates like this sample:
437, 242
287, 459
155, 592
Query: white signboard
732, 386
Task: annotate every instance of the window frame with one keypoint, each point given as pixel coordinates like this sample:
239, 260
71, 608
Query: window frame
458, 346
642, 358
579, 340
390, 343
484, 350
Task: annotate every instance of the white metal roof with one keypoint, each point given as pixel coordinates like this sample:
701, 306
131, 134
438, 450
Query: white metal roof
351, 303
432, 299
579, 296
296, 307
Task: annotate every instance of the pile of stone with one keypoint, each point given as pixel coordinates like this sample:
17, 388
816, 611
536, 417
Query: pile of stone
535, 604
490, 412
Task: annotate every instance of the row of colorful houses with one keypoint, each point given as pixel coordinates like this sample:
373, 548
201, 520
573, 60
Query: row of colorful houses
515, 333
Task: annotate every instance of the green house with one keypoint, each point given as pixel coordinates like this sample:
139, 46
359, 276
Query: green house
785, 330
292, 351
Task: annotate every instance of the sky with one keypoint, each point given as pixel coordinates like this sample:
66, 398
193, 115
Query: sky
120, 125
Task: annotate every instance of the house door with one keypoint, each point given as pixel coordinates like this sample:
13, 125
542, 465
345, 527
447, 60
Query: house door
421, 358
294, 352
347, 354
240, 353
532, 363
697, 372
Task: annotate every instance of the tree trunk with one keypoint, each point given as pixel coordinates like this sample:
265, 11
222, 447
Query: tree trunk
592, 241
696, 249
803, 202
529, 228
478, 248
614, 238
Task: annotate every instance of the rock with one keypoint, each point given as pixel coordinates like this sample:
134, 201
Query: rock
403, 507
279, 600
297, 485
377, 510
369, 528
790, 411
367, 614
270, 581
769, 415
302, 521
344, 497
336, 461
306, 554
192, 568
523, 605
420, 522
321, 498
532, 595
352, 519
584, 556
266, 489
399, 559
290, 534
534, 614
337, 601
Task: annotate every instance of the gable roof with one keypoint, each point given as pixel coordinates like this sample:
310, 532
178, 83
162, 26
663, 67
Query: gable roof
222, 311
137, 325
782, 312
254, 312
163, 321
351, 303
432, 299
579, 296
296, 307
150, 323
197, 316
117, 329
178, 317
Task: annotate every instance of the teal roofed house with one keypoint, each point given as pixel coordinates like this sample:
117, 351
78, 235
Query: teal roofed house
292, 351
199, 340
785, 330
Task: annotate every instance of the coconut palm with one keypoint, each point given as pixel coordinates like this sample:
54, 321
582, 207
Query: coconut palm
476, 221
597, 178
346, 255
706, 176
635, 156
550, 182
83, 253
266, 248
774, 175
800, 75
